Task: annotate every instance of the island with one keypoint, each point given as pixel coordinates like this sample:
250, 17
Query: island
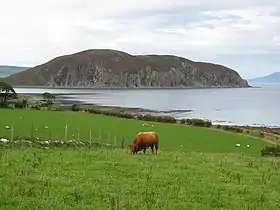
106, 68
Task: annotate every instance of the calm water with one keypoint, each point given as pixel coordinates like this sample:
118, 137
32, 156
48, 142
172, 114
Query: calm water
259, 106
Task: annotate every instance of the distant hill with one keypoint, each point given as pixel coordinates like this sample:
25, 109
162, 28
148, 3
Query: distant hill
9, 70
103, 68
271, 78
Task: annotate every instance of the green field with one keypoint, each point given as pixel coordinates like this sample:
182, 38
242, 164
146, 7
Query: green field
196, 168
111, 179
172, 136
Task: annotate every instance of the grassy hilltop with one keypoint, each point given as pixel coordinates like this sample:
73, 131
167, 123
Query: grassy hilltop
196, 168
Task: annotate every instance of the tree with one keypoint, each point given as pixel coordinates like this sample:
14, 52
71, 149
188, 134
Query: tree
6, 92
48, 98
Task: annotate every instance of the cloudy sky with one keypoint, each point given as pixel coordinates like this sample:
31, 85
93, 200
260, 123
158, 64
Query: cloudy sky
241, 34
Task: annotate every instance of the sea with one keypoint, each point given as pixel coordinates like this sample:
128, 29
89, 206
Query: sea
255, 106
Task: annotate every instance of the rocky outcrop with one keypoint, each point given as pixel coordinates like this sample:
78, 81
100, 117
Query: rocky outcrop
110, 68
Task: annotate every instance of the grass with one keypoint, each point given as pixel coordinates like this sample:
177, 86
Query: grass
112, 179
172, 137
196, 168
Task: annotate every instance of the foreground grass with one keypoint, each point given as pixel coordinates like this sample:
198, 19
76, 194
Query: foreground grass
173, 137
112, 179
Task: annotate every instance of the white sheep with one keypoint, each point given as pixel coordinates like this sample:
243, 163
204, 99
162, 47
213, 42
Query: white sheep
237, 145
4, 140
7, 127
248, 145
45, 142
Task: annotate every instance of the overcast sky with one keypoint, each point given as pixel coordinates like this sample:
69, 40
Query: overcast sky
241, 34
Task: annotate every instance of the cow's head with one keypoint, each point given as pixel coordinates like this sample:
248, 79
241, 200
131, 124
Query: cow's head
132, 148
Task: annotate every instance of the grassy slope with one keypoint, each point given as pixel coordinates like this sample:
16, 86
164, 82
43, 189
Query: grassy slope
104, 179
172, 137
112, 179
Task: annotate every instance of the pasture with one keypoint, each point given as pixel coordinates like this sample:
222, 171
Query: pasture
83, 178
173, 137
196, 168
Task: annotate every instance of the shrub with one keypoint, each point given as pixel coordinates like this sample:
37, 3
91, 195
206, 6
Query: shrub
21, 103
183, 121
75, 107
124, 115
36, 106
219, 126
261, 134
197, 122
232, 128
189, 121
200, 123
271, 151
168, 119
207, 123
147, 117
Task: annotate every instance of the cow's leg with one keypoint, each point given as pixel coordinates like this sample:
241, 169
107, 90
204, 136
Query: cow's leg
144, 150
152, 148
156, 146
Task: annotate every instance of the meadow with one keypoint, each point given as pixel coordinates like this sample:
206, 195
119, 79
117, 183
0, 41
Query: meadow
196, 168
85, 178
51, 125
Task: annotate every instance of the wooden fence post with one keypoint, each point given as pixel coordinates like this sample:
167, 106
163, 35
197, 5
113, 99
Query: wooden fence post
90, 138
12, 133
78, 134
123, 141
108, 138
115, 141
65, 132
100, 136
32, 132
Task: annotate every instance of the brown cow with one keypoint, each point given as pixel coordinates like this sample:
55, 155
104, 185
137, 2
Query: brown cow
143, 140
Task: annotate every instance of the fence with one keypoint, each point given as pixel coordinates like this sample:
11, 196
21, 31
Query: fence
97, 136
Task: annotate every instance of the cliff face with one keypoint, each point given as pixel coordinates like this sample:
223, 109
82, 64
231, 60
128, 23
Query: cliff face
109, 68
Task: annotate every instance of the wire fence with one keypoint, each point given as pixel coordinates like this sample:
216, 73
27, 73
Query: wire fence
62, 135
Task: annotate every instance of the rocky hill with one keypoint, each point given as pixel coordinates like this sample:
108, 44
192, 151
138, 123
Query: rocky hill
111, 68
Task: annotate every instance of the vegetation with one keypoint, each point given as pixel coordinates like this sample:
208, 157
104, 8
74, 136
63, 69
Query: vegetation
198, 167
82, 178
271, 151
44, 125
75, 107
48, 103
48, 98
6, 92
197, 122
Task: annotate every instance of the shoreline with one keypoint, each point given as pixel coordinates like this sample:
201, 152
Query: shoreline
66, 103
128, 88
